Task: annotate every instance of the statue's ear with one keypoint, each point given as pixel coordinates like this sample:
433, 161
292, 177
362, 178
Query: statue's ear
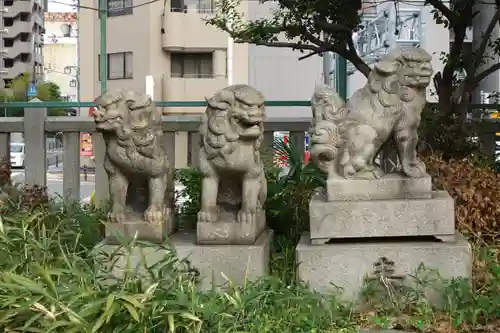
387, 67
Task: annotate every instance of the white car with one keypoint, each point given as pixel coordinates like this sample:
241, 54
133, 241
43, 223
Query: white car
17, 152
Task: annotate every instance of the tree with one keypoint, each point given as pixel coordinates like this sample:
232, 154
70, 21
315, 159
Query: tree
322, 26
16, 91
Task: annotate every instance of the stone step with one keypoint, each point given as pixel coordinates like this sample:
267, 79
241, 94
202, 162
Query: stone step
433, 216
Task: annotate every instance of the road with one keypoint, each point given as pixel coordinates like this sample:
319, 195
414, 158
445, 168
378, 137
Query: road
55, 182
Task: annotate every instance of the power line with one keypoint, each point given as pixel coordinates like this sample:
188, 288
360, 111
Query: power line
97, 9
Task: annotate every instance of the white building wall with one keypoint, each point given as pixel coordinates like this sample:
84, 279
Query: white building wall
61, 52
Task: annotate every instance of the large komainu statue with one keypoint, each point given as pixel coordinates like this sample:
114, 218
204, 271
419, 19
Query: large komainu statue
131, 126
232, 131
346, 138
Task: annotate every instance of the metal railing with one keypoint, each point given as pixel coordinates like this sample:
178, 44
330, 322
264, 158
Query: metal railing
180, 137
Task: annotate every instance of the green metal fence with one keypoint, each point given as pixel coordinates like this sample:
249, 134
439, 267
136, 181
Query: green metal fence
62, 105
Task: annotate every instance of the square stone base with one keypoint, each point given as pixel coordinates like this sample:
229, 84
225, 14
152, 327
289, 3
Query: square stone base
239, 263
228, 231
145, 231
382, 218
389, 186
346, 264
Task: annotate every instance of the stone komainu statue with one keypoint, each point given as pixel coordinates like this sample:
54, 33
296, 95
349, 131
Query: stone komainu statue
346, 137
131, 127
232, 130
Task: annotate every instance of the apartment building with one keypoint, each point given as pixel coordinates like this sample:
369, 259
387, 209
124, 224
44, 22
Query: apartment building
60, 52
187, 59
412, 24
22, 26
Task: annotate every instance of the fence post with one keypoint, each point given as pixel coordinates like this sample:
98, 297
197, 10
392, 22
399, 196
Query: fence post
4, 146
101, 178
71, 167
35, 145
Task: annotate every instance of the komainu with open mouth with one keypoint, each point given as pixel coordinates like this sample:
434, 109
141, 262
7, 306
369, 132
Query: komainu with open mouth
131, 127
346, 138
232, 130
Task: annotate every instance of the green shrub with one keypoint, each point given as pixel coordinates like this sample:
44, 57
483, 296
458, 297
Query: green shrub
190, 179
49, 282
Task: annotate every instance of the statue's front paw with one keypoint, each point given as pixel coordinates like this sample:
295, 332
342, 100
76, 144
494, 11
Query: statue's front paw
246, 216
116, 216
414, 169
155, 214
207, 217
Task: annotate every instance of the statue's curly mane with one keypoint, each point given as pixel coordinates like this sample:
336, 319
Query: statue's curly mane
386, 86
133, 134
219, 135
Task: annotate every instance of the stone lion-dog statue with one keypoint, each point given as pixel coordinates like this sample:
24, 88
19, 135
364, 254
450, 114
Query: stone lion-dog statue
347, 137
131, 127
232, 130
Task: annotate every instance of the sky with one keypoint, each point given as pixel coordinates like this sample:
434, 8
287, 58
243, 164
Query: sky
58, 6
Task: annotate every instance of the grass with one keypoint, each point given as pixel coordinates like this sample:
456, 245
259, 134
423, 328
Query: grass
53, 280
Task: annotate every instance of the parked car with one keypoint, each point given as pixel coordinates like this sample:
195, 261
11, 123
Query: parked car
17, 153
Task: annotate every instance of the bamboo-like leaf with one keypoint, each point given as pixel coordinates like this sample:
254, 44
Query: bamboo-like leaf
59, 324
132, 311
109, 302
98, 324
189, 316
26, 283
132, 300
151, 289
171, 323
47, 279
30, 321
2, 230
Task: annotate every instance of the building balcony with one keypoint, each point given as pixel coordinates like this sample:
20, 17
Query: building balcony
191, 89
18, 48
187, 30
17, 28
18, 6
18, 69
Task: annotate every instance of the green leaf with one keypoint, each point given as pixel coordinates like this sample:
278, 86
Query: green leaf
47, 279
189, 316
132, 311
171, 323
132, 300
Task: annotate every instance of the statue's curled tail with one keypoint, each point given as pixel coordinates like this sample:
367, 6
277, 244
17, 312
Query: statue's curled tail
325, 137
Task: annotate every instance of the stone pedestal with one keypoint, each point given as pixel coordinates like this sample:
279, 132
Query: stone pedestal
434, 216
228, 231
346, 264
239, 263
361, 225
135, 223
389, 186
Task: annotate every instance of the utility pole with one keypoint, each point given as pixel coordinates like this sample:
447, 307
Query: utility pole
341, 76
103, 74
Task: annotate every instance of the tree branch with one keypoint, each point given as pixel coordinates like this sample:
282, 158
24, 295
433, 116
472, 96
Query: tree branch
479, 53
331, 27
447, 12
484, 74
295, 46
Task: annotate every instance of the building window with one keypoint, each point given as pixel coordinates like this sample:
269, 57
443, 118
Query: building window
120, 65
120, 7
191, 65
200, 6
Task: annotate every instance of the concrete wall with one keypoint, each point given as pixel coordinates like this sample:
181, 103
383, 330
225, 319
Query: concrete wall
278, 73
